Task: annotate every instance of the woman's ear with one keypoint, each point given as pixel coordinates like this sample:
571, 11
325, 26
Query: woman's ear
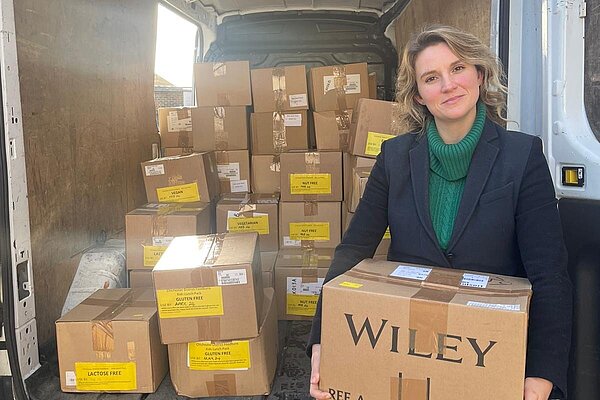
419, 100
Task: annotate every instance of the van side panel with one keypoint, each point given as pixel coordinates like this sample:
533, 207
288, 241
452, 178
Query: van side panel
87, 73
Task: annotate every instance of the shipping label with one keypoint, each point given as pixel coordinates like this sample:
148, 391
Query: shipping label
152, 254
287, 242
475, 281
411, 272
153, 170
374, 141
292, 119
206, 356
310, 184
190, 302
232, 277
298, 100
309, 231
239, 186
162, 240
301, 298
179, 194
230, 171
492, 306
352, 84
257, 223
178, 121
96, 377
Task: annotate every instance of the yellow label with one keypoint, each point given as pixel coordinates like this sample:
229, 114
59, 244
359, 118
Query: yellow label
205, 356
387, 234
152, 254
351, 285
309, 230
105, 376
301, 304
179, 194
310, 183
374, 141
259, 223
190, 302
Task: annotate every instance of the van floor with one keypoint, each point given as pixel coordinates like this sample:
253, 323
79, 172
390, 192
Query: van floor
291, 378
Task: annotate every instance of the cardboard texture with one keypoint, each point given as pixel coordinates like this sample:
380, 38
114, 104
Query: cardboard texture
175, 127
140, 278
299, 276
277, 132
220, 128
312, 176
181, 179
338, 87
176, 151
360, 176
351, 164
309, 224
332, 129
373, 85
251, 213
233, 168
373, 122
242, 367
150, 228
110, 343
279, 89
424, 333
222, 84
386, 240
266, 175
209, 288
267, 259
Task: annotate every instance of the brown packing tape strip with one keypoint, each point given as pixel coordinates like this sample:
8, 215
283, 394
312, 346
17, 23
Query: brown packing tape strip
219, 69
159, 224
184, 113
311, 209
342, 119
222, 385
222, 157
171, 208
312, 165
279, 132
207, 327
428, 316
183, 139
410, 389
310, 264
279, 90
275, 165
339, 82
215, 249
221, 135
395, 123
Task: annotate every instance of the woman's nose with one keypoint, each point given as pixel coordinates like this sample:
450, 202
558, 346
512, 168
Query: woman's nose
447, 84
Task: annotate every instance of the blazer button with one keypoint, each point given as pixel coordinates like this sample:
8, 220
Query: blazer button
449, 256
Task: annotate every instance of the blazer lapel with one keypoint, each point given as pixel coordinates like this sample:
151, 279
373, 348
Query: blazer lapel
479, 171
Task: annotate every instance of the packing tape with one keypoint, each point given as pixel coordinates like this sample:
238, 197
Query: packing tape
221, 135
279, 132
131, 350
428, 316
339, 82
222, 385
409, 389
206, 327
219, 69
215, 249
183, 139
275, 163
342, 119
171, 208
312, 165
279, 90
222, 157
310, 263
311, 208
159, 224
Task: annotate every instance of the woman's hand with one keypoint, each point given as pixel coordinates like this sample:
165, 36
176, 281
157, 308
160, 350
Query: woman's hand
535, 388
315, 361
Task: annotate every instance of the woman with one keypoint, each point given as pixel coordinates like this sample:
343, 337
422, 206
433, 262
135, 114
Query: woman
462, 192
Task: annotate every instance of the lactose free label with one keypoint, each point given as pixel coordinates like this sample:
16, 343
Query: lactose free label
152, 254
206, 356
310, 183
190, 302
105, 376
179, 194
374, 141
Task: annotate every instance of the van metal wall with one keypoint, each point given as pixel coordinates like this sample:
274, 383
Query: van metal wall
86, 75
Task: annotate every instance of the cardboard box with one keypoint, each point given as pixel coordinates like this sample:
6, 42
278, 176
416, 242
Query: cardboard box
417, 332
176, 151
243, 367
277, 132
150, 228
266, 175
386, 240
140, 278
360, 176
209, 288
352, 164
373, 122
233, 168
338, 87
373, 85
251, 213
279, 89
267, 259
222, 84
113, 333
313, 176
175, 127
313, 224
332, 129
299, 276
181, 179
220, 128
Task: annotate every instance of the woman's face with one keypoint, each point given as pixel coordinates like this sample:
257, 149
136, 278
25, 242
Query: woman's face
448, 87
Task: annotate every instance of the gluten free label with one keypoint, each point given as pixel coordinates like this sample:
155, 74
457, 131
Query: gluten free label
259, 224
310, 184
179, 194
309, 231
206, 356
105, 376
190, 302
374, 141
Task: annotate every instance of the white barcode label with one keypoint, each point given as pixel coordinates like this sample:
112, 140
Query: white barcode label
475, 281
298, 100
229, 171
410, 272
296, 286
162, 240
287, 242
156, 169
494, 306
239, 186
232, 277
70, 378
177, 124
292, 119
352, 84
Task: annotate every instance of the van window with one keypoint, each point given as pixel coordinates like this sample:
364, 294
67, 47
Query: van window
174, 64
592, 66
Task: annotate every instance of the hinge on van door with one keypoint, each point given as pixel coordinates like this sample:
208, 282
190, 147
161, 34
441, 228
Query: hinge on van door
583, 9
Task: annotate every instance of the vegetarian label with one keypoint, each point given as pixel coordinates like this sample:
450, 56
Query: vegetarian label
301, 298
152, 254
310, 183
179, 194
256, 223
410, 272
374, 141
298, 100
91, 376
190, 302
206, 356
309, 231
352, 84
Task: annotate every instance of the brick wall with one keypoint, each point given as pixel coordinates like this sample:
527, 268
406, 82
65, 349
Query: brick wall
168, 97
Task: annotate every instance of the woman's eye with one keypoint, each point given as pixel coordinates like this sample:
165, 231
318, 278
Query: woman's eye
459, 67
429, 79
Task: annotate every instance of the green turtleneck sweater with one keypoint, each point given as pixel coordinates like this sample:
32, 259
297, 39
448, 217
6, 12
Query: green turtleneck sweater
448, 167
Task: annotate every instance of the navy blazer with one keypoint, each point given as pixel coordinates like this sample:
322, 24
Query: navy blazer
507, 223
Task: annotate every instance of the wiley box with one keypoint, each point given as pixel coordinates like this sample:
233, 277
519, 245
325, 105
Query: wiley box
277, 132
279, 89
311, 176
233, 168
223, 84
313, 224
338, 87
